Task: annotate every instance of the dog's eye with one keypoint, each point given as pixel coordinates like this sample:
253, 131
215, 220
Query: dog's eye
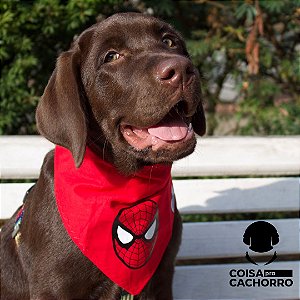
111, 56
169, 42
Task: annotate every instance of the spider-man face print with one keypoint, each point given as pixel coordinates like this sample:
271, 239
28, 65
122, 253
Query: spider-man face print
135, 232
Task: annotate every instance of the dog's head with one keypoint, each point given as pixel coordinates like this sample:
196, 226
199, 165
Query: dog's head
127, 86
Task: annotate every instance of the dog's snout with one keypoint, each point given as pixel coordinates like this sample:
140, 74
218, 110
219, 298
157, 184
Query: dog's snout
175, 71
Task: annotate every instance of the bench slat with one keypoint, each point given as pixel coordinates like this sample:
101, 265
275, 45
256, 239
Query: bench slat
225, 239
212, 282
242, 156
11, 197
237, 195
22, 156
204, 195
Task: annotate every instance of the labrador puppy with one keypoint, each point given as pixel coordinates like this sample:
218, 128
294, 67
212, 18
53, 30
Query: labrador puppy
128, 91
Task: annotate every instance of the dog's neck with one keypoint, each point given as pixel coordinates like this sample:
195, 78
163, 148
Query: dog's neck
104, 150
126, 165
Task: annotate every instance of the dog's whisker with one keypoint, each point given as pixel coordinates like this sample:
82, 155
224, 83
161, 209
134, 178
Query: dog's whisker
103, 151
150, 176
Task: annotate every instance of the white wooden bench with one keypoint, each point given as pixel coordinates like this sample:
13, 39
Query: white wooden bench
263, 178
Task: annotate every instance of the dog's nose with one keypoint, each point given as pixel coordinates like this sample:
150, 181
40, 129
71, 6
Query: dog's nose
175, 71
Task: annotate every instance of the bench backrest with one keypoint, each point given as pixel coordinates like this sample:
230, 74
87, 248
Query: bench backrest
262, 177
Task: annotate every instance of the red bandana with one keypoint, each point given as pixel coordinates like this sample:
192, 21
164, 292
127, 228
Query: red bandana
122, 224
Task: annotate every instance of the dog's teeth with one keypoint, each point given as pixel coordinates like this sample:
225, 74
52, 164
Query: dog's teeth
154, 140
190, 127
137, 130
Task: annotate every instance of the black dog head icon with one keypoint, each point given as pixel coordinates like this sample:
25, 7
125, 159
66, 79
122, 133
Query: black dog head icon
261, 236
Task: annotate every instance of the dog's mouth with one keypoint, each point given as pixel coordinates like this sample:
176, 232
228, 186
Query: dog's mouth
175, 127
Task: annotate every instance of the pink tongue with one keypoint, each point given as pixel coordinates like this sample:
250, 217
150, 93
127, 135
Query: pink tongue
172, 130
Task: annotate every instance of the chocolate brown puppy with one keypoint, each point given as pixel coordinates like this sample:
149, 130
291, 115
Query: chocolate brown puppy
127, 91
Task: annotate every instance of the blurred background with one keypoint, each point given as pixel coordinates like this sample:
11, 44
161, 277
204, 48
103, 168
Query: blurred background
247, 51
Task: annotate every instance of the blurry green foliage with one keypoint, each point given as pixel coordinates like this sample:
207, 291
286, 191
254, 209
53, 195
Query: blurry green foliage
33, 33
217, 41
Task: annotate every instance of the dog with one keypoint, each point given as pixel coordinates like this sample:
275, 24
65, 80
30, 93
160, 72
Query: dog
127, 94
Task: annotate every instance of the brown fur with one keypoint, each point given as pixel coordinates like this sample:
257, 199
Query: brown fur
86, 102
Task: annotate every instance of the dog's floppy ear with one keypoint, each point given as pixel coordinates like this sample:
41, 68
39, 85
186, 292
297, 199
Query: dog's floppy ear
60, 114
198, 121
